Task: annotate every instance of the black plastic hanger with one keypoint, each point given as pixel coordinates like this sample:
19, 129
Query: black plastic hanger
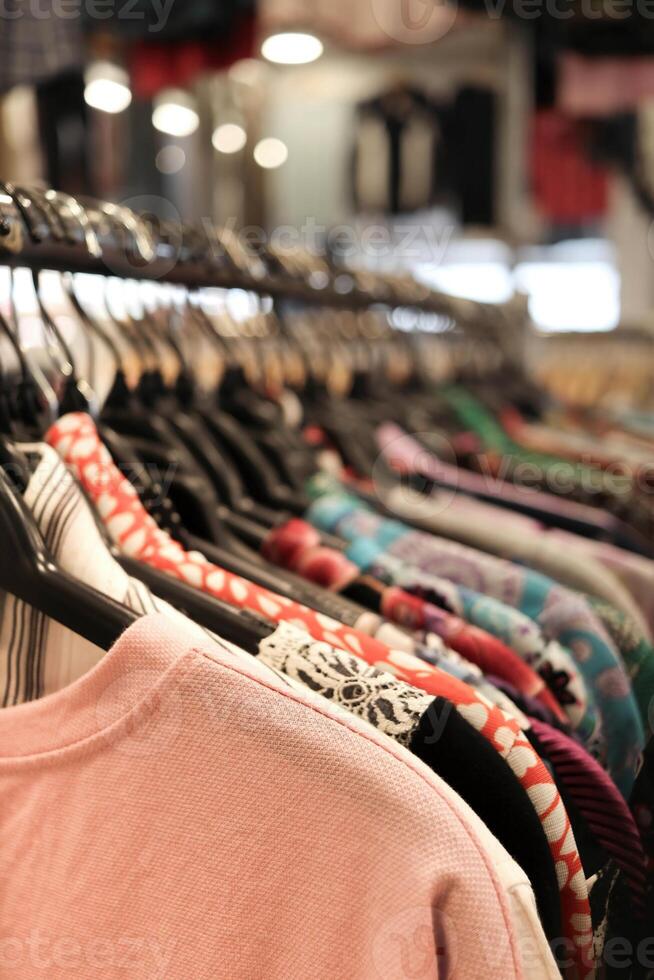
28, 572
192, 496
156, 443
189, 421
252, 463
150, 491
119, 393
262, 483
75, 394
23, 395
182, 441
92, 328
192, 428
238, 626
11, 460
224, 550
284, 448
281, 581
241, 627
220, 469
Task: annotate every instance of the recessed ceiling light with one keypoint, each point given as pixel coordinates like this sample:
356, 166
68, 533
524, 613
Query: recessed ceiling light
229, 138
292, 48
107, 87
270, 153
174, 113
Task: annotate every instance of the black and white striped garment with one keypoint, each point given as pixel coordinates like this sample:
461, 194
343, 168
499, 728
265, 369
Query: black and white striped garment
37, 655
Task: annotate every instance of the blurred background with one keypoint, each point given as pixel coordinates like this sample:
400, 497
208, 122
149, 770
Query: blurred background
485, 146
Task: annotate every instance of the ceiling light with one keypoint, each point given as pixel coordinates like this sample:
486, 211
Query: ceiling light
107, 87
291, 48
270, 153
174, 113
229, 138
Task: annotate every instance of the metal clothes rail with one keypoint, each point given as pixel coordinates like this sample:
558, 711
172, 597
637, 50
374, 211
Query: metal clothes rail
47, 229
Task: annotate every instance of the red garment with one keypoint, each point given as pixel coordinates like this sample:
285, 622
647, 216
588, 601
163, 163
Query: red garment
76, 439
476, 645
568, 187
175, 64
295, 545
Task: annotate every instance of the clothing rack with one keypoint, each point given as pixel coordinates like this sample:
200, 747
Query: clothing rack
46, 229
322, 544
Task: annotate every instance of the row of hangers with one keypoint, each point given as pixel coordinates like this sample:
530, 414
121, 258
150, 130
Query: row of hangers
195, 393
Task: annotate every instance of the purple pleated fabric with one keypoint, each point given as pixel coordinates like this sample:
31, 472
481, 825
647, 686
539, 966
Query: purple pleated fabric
600, 803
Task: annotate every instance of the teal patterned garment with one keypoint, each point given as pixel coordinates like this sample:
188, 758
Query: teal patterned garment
554, 663
637, 655
562, 615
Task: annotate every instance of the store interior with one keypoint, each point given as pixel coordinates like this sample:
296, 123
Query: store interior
326, 489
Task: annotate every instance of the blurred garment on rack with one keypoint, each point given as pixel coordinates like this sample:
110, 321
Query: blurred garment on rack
405, 455
412, 152
64, 132
193, 20
603, 86
498, 531
37, 43
569, 189
471, 138
157, 64
635, 572
396, 153
486, 446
